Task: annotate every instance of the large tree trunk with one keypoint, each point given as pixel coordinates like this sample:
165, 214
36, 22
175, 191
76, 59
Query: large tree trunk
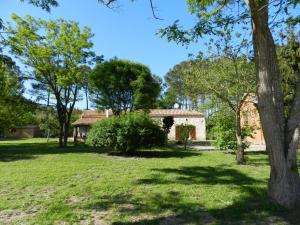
62, 120
66, 134
60, 137
284, 183
238, 133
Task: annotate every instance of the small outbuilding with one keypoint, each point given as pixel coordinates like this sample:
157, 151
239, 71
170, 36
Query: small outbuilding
29, 131
191, 117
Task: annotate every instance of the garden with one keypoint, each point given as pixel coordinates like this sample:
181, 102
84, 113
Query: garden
43, 184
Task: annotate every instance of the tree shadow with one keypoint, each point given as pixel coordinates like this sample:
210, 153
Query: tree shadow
25, 151
164, 152
201, 175
252, 207
148, 210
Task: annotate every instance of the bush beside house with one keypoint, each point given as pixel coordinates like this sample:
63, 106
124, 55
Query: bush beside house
126, 133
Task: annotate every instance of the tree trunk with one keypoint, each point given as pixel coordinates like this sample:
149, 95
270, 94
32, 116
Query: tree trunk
284, 183
66, 134
48, 135
60, 137
61, 119
87, 99
238, 133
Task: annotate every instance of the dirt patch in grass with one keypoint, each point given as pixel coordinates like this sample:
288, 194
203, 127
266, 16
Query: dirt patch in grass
97, 217
12, 216
73, 200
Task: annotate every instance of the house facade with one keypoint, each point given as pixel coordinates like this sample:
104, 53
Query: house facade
197, 119
250, 117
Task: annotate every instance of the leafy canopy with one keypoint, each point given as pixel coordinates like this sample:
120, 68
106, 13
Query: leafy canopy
122, 85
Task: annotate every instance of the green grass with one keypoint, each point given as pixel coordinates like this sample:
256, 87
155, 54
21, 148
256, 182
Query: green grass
42, 184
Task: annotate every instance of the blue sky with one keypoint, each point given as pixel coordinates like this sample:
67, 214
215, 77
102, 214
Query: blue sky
127, 32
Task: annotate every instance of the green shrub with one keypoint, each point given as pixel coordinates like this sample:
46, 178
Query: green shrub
221, 127
185, 132
126, 133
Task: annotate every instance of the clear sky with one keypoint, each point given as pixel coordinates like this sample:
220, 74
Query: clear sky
128, 32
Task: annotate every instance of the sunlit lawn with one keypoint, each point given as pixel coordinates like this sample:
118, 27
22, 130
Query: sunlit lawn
42, 184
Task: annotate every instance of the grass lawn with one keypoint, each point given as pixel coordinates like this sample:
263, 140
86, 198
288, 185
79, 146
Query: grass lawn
42, 184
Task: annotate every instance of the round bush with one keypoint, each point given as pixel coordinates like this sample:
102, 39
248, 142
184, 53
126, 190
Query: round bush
126, 133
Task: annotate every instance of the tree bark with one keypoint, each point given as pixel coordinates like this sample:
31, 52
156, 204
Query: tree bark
238, 133
60, 137
284, 183
87, 99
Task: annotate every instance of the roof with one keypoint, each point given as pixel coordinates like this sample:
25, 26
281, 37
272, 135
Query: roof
90, 117
175, 112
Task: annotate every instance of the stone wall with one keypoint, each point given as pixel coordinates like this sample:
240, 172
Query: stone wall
199, 123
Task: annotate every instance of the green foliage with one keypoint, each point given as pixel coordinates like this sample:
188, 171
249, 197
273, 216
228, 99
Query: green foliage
10, 77
15, 110
126, 133
168, 122
167, 100
44, 4
122, 85
289, 63
221, 127
185, 132
56, 52
177, 90
164, 180
48, 122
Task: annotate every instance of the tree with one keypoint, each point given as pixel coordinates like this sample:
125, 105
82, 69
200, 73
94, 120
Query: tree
281, 133
15, 110
56, 52
229, 80
167, 100
227, 76
122, 86
86, 70
168, 122
185, 132
175, 83
47, 121
44, 4
289, 59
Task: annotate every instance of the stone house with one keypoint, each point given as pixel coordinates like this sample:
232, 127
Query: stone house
250, 117
197, 119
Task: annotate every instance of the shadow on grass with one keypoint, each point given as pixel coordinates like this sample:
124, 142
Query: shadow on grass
201, 175
174, 208
167, 208
25, 151
165, 152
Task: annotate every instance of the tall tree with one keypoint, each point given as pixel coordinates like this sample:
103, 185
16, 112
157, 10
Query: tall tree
56, 52
175, 84
122, 85
281, 133
14, 108
229, 80
289, 60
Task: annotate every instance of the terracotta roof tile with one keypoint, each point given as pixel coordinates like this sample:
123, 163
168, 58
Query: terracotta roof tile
174, 112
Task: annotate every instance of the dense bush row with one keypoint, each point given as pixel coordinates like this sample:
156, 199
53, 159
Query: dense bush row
126, 133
